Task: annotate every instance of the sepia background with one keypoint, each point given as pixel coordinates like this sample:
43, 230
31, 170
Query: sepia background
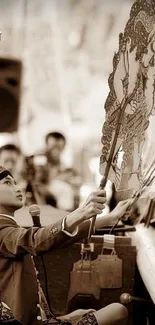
66, 47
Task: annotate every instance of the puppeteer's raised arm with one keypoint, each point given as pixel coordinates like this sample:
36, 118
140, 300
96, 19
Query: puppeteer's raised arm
102, 221
16, 241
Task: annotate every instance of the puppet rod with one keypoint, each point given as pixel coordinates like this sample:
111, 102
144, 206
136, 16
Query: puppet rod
120, 116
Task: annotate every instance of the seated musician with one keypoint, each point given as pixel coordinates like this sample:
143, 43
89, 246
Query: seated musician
19, 286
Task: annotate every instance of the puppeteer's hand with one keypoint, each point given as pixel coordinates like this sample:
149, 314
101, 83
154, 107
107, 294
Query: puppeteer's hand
94, 204
121, 208
91, 207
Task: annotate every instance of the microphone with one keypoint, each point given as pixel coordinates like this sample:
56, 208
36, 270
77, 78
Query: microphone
126, 298
34, 211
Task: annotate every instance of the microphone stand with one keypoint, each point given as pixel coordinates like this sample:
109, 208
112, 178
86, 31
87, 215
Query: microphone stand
37, 223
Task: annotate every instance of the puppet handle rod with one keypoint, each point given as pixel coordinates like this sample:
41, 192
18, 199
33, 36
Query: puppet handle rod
120, 116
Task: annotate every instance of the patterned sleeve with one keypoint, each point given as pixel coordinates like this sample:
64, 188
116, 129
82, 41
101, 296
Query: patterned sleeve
5, 312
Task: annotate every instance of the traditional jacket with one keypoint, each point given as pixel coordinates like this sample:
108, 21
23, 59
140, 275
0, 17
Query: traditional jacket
18, 281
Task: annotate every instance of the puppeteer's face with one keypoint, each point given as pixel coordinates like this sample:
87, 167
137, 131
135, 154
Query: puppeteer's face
10, 194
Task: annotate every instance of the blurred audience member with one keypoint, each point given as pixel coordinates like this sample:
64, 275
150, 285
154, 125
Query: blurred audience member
55, 144
36, 177
63, 182
11, 158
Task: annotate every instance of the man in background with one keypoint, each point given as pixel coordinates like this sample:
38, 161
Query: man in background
11, 157
60, 178
55, 144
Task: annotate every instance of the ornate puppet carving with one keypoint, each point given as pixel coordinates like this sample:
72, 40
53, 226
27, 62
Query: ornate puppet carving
131, 99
